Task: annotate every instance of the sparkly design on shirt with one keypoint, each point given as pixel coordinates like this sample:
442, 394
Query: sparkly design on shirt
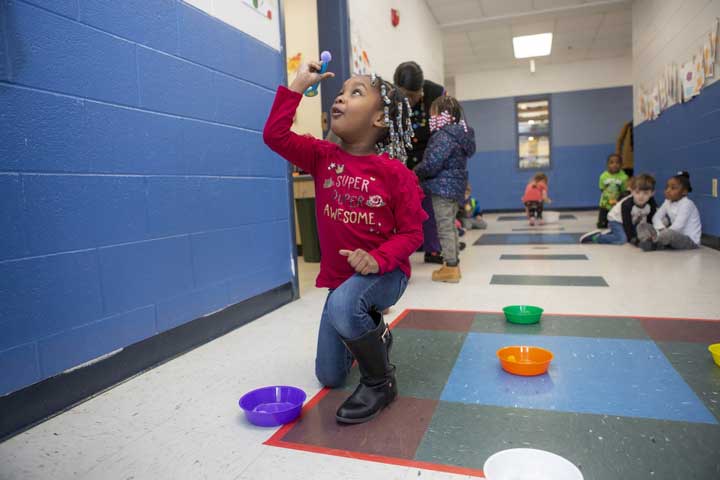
375, 201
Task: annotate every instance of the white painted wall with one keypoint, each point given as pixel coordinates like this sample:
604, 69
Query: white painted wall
667, 31
417, 37
605, 73
244, 18
301, 35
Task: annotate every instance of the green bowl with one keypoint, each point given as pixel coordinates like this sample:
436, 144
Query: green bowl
523, 314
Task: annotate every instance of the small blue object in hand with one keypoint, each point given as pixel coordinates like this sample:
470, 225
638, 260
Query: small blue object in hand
325, 58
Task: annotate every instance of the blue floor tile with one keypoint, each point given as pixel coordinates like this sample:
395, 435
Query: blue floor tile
620, 377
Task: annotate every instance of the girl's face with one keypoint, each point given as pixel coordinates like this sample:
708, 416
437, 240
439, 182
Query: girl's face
614, 165
356, 112
674, 190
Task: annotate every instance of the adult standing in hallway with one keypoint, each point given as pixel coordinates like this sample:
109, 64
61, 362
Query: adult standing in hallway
421, 93
624, 148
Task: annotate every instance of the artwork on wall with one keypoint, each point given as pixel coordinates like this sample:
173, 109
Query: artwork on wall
692, 75
293, 63
709, 51
263, 7
360, 58
683, 83
257, 18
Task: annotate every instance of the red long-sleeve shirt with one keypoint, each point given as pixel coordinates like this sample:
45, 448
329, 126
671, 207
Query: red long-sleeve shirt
370, 202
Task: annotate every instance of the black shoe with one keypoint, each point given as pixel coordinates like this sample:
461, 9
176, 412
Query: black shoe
436, 258
461, 246
590, 237
377, 386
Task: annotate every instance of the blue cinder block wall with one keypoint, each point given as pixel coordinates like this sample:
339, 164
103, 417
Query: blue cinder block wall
585, 125
686, 137
135, 190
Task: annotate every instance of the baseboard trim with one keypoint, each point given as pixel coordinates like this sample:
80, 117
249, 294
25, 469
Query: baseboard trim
36, 403
711, 241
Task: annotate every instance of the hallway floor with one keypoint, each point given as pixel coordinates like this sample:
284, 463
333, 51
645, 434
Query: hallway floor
181, 420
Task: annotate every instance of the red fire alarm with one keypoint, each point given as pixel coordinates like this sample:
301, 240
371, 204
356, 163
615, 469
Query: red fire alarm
394, 17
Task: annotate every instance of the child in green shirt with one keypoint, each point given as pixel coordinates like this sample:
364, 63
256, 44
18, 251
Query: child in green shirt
613, 182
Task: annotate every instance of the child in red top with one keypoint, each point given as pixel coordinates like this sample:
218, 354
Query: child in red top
369, 215
536, 192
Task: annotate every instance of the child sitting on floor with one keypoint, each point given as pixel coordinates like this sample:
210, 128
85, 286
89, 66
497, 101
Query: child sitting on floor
536, 193
676, 224
624, 218
470, 215
613, 183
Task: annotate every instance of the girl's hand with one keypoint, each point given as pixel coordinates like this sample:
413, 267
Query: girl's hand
361, 261
308, 75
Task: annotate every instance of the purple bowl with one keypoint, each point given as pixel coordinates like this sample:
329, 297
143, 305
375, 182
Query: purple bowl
272, 406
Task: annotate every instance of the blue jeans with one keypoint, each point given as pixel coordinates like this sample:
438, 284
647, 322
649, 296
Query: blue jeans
616, 236
346, 315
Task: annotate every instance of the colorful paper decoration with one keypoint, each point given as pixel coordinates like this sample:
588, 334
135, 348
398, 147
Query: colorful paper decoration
262, 7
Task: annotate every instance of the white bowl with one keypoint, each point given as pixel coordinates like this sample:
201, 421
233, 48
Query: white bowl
551, 217
529, 464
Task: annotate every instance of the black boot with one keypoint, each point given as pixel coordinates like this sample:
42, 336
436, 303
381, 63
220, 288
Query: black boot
377, 316
377, 377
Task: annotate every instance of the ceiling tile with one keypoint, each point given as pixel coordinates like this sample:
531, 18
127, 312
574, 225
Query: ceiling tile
491, 34
595, 54
495, 8
453, 39
532, 28
618, 17
578, 23
562, 41
547, 4
459, 11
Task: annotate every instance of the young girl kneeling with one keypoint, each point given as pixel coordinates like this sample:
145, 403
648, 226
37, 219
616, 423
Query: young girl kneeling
369, 215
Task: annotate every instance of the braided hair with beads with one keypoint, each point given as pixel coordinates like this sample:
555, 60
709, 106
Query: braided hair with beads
397, 138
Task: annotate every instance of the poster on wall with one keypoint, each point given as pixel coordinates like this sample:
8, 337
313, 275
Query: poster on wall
655, 103
692, 75
671, 85
360, 58
710, 50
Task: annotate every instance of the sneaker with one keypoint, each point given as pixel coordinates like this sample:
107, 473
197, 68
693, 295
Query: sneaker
532, 221
433, 258
447, 274
590, 237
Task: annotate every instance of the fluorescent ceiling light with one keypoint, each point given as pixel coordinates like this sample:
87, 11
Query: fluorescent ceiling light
528, 46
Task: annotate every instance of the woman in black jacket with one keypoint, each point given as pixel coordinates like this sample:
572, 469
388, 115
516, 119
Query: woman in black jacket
421, 93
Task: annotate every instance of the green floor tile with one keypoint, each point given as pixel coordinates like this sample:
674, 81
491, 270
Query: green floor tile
694, 363
603, 447
560, 325
549, 280
424, 360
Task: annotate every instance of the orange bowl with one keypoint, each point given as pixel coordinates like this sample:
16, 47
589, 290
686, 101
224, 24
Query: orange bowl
525, 360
